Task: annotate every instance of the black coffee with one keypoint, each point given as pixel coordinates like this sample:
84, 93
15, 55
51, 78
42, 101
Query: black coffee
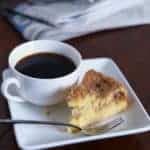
45, 65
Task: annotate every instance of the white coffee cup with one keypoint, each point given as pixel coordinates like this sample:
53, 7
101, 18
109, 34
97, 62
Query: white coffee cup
40, 91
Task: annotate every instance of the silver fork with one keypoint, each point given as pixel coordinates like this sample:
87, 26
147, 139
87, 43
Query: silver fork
85, 131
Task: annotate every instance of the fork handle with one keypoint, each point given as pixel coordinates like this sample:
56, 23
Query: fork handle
16, 121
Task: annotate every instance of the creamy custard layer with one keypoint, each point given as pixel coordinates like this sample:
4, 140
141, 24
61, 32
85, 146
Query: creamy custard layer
89, 116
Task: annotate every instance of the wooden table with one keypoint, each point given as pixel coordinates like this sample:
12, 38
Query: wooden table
129, 47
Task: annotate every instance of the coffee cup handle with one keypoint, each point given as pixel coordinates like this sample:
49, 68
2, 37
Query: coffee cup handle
5, 86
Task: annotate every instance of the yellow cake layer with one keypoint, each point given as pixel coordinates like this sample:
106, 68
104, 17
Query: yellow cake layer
89, 116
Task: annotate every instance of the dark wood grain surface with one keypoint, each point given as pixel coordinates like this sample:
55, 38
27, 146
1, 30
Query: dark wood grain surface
129, 47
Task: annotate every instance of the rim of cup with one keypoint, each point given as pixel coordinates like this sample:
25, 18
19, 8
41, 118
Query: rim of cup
44, 79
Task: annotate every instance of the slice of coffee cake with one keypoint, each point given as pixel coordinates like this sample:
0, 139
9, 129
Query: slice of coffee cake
97, 98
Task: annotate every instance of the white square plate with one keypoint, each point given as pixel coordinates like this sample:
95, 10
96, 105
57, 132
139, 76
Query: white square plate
31, 137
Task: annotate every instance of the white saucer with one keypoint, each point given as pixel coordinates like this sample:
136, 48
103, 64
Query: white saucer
31, 137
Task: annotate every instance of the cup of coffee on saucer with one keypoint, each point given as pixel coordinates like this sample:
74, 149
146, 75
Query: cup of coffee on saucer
42, 70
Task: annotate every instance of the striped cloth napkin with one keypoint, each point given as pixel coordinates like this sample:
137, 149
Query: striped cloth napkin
88, 17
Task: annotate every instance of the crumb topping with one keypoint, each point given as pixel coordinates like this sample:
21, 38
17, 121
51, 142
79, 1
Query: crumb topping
97, 83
